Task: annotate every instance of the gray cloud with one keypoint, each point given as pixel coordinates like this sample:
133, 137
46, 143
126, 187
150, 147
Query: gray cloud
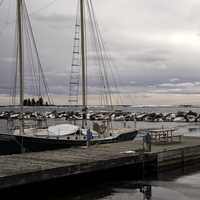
53, 18
154, 44
147, 57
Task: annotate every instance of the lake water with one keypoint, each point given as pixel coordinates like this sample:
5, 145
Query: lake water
185, 187
140, 109
182, 184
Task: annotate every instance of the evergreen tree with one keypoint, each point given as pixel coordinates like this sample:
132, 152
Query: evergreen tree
28, 102
40, 101
25, 102
33, 103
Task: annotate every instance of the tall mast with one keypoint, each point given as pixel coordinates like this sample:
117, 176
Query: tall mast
20, 61
83, 62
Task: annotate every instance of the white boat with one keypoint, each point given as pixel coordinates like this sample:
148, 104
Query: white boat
179, 119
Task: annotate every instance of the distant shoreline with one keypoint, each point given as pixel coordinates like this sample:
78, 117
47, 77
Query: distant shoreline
136, 106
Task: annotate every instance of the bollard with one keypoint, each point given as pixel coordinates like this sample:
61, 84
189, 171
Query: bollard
147, 142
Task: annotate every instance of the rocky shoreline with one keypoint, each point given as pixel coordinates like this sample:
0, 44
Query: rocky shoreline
179, 116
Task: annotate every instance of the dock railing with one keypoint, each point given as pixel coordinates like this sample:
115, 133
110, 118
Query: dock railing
165, 136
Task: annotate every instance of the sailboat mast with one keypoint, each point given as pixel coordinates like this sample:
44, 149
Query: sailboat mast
83, 61
20, 59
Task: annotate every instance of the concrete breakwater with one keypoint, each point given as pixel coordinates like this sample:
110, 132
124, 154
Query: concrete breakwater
179, 116
23, 169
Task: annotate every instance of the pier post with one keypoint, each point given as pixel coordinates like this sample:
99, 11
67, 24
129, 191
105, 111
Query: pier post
147, 142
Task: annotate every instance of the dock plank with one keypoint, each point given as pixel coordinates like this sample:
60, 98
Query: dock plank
39, 166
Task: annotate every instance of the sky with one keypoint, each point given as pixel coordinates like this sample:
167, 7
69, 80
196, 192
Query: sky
154, 45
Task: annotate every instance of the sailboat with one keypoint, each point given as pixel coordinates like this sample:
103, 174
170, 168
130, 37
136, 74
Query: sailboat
65, 135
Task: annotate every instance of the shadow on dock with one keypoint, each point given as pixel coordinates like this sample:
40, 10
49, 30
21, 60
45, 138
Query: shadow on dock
95, 185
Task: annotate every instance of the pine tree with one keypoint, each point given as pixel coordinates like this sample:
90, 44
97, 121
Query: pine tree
33, 103
28, 102
40, 101
25, 102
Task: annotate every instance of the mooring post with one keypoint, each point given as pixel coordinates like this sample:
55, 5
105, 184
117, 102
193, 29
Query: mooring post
147, 142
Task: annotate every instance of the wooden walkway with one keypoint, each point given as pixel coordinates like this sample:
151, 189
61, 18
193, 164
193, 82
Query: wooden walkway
36, 167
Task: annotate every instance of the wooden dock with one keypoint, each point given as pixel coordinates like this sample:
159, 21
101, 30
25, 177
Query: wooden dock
16, 170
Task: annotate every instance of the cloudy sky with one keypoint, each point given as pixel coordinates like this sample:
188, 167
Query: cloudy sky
155, 46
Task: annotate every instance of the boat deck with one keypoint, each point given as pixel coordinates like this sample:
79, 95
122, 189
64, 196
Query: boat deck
43, 133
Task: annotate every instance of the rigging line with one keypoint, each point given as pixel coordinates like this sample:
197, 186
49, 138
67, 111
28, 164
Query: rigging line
14, 95
103, 97
30, 56
14, 75
16, 52
38, 59
101, 53
92, 33
36, 79
99, 57
107, 56
105, 72
115, 78
36, 74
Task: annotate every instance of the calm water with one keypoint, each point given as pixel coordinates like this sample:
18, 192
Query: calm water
186, 187
183, 184
139, 109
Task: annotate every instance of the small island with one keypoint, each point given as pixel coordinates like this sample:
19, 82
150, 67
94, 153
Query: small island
34, 102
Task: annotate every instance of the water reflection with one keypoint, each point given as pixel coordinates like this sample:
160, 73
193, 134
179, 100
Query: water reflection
181, 184
104, 191
194, 129
147, 191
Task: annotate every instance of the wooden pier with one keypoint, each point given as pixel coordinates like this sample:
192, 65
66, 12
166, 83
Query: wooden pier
22, 169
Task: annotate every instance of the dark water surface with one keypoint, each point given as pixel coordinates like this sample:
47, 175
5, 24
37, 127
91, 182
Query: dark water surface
182, 184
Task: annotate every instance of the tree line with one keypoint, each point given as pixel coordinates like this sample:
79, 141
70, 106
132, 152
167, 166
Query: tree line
34, 102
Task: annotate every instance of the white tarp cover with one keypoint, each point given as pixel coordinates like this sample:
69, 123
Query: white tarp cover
62, 129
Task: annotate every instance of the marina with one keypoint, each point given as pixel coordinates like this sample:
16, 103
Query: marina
99, 93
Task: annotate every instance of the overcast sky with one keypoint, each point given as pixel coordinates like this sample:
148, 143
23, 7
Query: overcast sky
154, 44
